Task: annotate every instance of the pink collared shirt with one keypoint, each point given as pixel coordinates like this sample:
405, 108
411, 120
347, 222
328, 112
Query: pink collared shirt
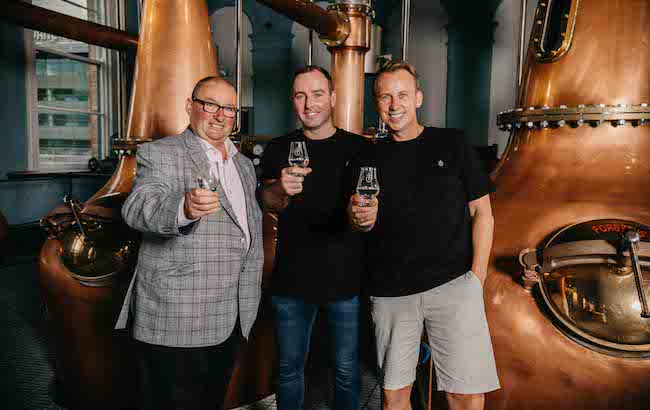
226, 172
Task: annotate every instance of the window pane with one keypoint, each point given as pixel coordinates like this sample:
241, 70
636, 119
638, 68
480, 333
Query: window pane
66, 83
73, 101
89, 10
44, 120
66, 139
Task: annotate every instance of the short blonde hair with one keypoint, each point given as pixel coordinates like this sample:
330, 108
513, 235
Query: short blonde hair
395, 65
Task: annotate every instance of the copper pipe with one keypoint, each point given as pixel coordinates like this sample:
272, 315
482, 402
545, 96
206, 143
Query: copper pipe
329, 25
348, 68
633, 238
348, 77
38, 18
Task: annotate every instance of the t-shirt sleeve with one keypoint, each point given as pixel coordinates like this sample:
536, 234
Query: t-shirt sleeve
274, 160
476, 181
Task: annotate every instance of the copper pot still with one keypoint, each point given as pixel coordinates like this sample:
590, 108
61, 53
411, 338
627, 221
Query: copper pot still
565, 296
87, 263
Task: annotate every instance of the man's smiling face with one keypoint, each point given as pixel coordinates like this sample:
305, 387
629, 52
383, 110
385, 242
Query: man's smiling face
214, 128
397, 99
312, 100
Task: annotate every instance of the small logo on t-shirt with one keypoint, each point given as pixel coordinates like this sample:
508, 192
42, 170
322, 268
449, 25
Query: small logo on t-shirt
440, 163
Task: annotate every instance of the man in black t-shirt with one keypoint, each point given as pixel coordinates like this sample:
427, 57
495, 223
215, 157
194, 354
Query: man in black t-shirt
428, 251
318, 255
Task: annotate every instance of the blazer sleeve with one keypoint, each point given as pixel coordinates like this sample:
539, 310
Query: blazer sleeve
152, 206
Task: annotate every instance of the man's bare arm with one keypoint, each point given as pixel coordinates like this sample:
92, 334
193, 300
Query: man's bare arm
273, 197
480, 211
276, 192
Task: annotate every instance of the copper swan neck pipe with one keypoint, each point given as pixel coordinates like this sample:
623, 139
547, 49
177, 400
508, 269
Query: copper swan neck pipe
329, 25
38, 18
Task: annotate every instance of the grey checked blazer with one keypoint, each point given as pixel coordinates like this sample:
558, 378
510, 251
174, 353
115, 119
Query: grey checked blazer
189, 284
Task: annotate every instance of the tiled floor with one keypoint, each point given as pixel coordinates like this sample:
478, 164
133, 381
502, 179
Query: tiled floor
319, 398
26, 359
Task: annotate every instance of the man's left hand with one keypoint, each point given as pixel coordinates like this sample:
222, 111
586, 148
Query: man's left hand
362, 212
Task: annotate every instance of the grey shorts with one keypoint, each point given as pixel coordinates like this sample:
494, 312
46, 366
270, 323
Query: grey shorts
454, 317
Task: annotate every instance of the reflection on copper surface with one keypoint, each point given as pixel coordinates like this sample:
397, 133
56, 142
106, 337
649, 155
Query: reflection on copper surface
348, 75
348, 68
552, 177
600, 301
93, 363
176, 53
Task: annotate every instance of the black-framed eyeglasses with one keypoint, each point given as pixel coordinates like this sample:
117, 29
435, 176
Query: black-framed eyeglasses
213, 108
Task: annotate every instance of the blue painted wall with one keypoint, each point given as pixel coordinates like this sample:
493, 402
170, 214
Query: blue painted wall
271, 40
13, 114
27, 201
469, 65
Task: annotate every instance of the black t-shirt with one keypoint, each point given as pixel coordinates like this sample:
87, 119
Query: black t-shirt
318, 256
423, 235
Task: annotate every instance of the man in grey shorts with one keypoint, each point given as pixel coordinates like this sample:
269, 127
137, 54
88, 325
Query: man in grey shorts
428, 251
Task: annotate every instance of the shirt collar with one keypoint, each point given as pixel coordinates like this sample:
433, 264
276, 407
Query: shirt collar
214, 154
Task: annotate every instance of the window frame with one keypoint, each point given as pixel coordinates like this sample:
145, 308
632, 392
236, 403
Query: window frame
110, 90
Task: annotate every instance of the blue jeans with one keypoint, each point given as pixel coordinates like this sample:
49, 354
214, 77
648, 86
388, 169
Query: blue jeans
294, 320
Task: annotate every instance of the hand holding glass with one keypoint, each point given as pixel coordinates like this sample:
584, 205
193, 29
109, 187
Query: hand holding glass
368, 186
210, 183
298, 156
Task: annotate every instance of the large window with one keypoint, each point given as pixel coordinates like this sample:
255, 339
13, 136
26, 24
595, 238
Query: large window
75, 98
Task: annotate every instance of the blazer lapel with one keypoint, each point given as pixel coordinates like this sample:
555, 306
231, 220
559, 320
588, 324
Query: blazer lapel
249, 191
201, 166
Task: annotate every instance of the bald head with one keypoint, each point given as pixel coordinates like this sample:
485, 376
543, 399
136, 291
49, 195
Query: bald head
210, 80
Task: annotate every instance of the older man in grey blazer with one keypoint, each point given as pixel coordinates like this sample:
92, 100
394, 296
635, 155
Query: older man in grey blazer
196, 288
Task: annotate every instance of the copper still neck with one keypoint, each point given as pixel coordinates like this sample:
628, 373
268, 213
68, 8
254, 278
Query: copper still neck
348, 66
176, 52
